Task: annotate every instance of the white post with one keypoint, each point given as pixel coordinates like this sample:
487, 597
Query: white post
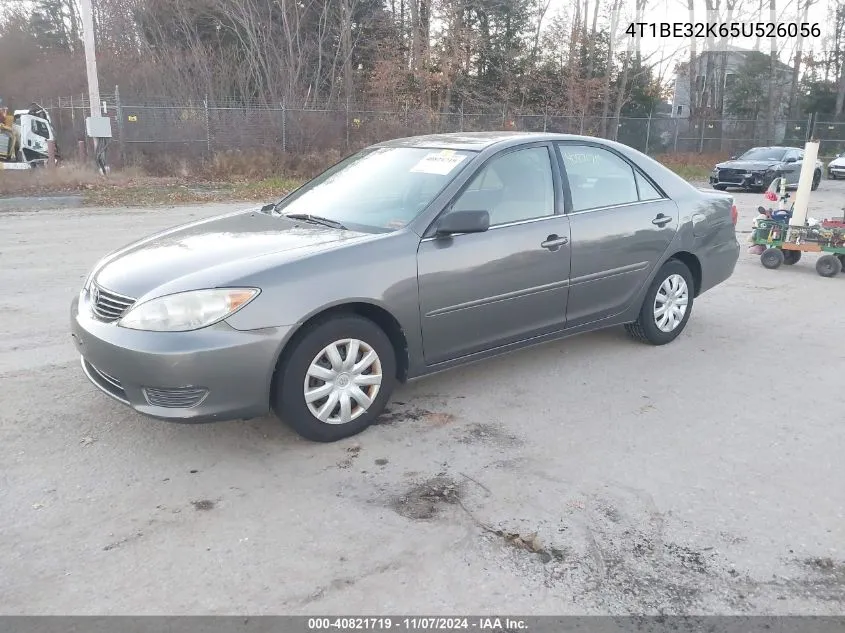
90, 56
805, 183
97, 126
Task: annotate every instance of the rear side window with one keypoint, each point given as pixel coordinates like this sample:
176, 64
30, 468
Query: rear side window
598, 178
647, 190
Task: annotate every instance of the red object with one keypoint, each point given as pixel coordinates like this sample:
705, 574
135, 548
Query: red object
734, 215
771, 195
833, 224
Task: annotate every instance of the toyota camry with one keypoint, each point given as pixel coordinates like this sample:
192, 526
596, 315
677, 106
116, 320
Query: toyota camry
410, 257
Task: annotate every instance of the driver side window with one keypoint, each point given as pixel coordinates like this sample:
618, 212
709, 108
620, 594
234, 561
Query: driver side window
513, 187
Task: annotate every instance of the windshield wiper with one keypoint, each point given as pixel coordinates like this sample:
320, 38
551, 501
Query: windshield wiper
316, 219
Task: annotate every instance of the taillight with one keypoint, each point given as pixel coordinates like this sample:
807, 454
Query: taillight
734, 214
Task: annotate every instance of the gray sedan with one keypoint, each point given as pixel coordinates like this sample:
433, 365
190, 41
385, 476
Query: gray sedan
407, 258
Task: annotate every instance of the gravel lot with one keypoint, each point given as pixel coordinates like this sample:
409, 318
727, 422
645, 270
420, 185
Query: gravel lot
702, 477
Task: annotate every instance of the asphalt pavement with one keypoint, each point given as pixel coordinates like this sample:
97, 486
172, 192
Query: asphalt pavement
588, 476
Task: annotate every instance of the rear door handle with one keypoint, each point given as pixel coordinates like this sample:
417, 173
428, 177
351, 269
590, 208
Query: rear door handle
553, 242
661, 220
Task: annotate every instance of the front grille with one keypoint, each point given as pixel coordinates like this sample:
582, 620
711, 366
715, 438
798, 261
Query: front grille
175, 397
105, 382
108, 305
731, 175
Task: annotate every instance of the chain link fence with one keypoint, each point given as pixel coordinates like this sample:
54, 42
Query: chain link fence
145, 130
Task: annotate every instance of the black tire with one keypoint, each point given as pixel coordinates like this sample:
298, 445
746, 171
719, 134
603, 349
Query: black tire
288, 389
720, 187
772, 258
790, 258
842, 260
828, 265
817, 178
645, 328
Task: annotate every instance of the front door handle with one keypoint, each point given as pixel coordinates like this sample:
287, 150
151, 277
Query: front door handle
554, 242
661, 220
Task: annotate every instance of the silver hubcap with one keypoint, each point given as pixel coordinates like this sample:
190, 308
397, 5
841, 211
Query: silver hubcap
670, 304
342, 381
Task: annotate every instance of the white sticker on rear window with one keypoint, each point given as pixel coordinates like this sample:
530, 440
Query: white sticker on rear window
440, 163
579, 158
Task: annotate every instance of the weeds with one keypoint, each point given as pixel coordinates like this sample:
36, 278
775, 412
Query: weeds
692, 167
226, 176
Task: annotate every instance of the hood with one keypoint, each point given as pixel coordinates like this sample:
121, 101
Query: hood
837, 162
749, 165
191, 248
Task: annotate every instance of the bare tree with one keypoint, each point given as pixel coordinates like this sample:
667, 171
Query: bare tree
632, 48
615, 11
773, 62
693, 63
803, 12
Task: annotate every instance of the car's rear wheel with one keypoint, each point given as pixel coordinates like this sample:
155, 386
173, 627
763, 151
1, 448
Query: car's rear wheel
337, 379
667, 305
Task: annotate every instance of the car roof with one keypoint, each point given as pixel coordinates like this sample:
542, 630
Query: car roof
774, 147
479, 141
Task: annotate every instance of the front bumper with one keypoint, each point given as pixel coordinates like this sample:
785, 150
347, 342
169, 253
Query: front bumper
837, 171
746, 181
216, 373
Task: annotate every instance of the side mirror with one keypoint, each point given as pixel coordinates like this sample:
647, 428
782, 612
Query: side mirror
463, 222
791, 159
733, 157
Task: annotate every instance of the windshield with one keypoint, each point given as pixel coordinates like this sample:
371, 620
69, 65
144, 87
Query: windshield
764, 153
382, 188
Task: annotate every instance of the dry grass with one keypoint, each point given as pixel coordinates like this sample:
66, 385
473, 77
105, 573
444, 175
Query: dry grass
238, 165
70, 178
693, 167
227, 176
221, 180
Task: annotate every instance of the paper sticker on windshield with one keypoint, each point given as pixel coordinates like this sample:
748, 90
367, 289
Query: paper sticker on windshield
440, 163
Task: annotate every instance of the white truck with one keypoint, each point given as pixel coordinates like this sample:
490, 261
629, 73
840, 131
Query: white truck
24, 137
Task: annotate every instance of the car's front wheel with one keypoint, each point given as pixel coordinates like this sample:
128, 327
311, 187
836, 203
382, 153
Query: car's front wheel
720, 187
337, 379
817, 178
667, 305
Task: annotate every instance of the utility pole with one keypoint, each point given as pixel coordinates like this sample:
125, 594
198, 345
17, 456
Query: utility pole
97, 126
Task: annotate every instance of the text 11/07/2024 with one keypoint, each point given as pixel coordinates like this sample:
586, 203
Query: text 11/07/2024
702, 30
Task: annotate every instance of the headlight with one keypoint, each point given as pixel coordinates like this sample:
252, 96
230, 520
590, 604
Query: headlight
187, 311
